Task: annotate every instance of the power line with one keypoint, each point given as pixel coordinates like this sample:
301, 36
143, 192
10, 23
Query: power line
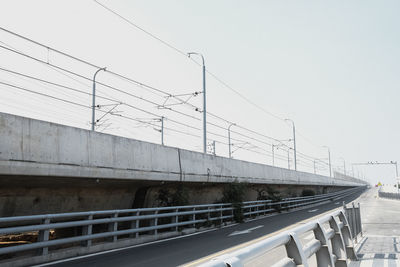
137, 83
141, 98
84, 106
209, 72
106, 98
130, 94
107, 112
118, 75
103, 84
86, 93
185, 54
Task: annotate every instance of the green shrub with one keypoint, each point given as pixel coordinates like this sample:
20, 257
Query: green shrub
234, 193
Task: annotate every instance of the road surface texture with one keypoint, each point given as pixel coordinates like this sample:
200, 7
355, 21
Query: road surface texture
193, 249
381, 226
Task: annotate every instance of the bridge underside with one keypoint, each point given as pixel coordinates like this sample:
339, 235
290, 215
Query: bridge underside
50, 168
23, 195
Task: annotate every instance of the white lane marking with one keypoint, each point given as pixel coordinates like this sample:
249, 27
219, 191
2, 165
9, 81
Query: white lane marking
247, 231
314, 210
133, 246
336, 203
172, 238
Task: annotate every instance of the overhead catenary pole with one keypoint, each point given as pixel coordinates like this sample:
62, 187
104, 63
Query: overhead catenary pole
277, 147
294, 144
204, 102
329, 158
315, 170
94, 98
273, 155
162, 130
229, 139
213, 143
344, 166
397, 177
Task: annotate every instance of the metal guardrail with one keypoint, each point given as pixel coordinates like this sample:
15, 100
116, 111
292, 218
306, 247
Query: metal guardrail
388, 195
114, 225
353, 215
332, 245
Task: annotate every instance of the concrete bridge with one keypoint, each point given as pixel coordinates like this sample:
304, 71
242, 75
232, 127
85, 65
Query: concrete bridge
43, 164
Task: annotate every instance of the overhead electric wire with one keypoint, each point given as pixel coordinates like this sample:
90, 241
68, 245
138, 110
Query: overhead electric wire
108, 86
109, 99
102, 97
84, 106
209, 72
111, 87
88, 107
137, 83
185, 54
87, 78
84, 62
108, 71
118, 75
153, 114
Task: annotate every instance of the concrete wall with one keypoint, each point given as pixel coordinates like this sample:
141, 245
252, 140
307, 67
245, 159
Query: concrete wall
24, 195
39, 195
37, 148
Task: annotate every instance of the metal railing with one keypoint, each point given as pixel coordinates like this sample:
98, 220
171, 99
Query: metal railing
332, 245
388, 195
353, 215
86, 229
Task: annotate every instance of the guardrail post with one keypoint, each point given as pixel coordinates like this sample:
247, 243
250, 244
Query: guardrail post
43, 237
175, 219
270, 206
354, 222
324, 254
87, 230
359, 219
194, 217
258, 209
346, 235
113, 227
135, 224
220, 214
338, 246
265, 208
294, 250
155, 223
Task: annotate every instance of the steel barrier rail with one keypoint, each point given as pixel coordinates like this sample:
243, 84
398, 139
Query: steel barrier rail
388, 195
332, 246
137, 222
353, 215
310, 201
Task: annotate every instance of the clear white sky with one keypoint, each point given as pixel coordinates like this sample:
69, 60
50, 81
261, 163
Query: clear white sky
331, 66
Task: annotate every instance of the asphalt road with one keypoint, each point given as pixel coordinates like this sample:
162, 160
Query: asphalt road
179, 251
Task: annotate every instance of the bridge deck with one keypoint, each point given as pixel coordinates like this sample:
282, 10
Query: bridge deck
381, 224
